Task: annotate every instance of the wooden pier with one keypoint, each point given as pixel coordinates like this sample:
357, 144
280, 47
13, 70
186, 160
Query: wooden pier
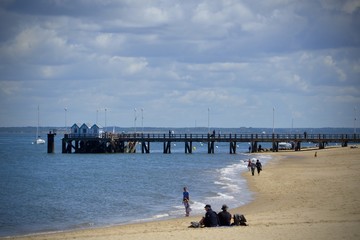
126, 143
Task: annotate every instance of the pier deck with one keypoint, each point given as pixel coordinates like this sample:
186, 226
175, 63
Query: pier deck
126, 143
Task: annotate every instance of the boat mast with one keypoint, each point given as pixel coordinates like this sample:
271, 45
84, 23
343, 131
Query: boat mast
38, 122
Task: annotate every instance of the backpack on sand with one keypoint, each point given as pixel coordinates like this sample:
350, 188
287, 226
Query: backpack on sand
239, 220
195, 225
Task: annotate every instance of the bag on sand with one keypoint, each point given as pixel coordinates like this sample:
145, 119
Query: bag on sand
239, 220
195, 225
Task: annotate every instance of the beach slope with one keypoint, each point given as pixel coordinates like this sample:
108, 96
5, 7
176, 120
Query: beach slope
297, 196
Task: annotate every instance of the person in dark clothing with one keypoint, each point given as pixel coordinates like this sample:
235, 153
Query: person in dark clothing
186, 199
210, 219
258, 166
224, 216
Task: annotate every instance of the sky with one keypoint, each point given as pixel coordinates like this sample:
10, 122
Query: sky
189, 63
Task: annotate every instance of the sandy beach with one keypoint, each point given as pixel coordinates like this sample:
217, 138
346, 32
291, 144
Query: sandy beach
297, 196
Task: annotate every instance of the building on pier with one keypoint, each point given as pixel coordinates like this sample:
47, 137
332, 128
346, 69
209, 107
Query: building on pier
85, 129
85, 139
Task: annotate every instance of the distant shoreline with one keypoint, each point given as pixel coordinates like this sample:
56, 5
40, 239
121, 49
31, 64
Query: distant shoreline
203, 130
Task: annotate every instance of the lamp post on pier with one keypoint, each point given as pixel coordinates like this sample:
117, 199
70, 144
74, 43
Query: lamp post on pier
65, 109
354, 120
142, 120
105, 119
208, 120
135, 117
274, 146
273, 120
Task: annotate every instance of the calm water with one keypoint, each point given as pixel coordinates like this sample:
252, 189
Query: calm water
43, 192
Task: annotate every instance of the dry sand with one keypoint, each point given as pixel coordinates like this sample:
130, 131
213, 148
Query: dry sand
297, 196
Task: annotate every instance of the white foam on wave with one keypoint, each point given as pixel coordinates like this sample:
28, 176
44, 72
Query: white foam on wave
196, 208
231, 186
160, 216
222, 196
153, 218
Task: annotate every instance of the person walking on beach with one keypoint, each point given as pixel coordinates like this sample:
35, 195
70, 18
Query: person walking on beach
186, 199
258, 166
210, 219
224, 216
253, 166
249, 165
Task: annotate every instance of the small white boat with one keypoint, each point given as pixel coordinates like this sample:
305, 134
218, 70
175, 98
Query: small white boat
38, 140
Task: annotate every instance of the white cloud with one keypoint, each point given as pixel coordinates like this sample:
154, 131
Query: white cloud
328, 60
351, 6
297, 82
109, 40
127, 65
185, 56
9, 87
348, 6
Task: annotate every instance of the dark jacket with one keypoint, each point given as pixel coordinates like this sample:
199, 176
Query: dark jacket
211, 219
224, 218
258, 165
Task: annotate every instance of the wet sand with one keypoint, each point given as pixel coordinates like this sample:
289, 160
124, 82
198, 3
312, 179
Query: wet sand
297, 196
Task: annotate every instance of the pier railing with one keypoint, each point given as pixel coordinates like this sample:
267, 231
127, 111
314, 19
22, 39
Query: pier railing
219, 137
122, 142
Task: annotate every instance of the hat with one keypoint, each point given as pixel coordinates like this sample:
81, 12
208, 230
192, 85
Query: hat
224, 207
207, 206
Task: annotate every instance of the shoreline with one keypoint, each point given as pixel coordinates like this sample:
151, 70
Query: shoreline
297, 196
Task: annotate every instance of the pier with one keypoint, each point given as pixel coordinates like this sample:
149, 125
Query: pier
126, 143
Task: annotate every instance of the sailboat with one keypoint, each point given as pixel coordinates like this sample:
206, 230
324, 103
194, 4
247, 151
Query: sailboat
38, 139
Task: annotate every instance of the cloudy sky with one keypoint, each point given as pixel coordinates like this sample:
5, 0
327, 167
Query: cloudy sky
226, 63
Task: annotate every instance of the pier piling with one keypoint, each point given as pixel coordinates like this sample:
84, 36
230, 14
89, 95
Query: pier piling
51, 145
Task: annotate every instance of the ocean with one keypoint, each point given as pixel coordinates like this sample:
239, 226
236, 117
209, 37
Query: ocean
43, 192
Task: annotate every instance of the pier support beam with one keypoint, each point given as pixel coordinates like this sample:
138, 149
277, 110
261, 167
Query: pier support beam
275, 146
76, 146
254, 147
145, 148
51, 145
211, 147
132, 147
167, 147
63, 146
68, 147
121, 147
188, 147
232, 147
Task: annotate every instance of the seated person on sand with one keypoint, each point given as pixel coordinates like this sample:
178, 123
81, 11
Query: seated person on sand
224, 216
210, 219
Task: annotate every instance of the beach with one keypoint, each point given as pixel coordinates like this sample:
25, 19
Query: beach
297, 196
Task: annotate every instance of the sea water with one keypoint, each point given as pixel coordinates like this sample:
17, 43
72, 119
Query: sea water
43, 192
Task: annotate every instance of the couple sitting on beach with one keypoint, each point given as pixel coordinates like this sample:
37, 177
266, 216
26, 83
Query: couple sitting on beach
223, 218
